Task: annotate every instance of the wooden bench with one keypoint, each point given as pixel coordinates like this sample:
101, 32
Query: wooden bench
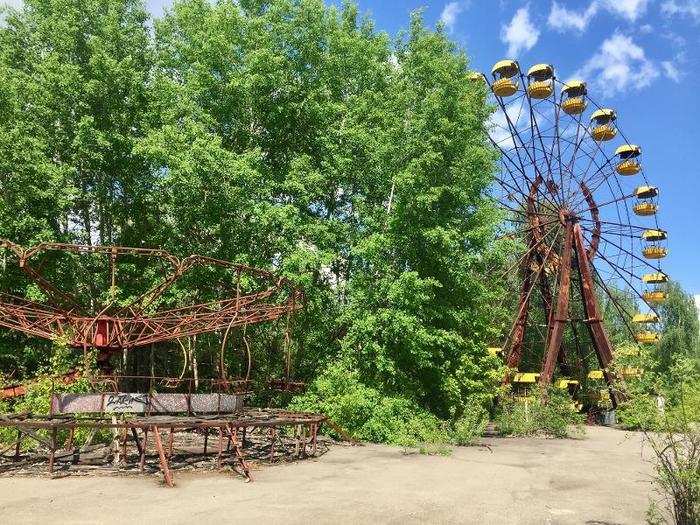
151, 405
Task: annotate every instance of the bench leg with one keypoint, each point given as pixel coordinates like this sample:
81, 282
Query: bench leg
221, 447
163, 460
18, 445
136, 440
69, 442
52, 451
273, 437
142, 459
233, 432
124, 450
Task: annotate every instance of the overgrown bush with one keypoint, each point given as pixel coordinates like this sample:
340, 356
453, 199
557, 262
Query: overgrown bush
680, 389
470, 426
554, 417
677, 467
639, 411
367, 415
37, 399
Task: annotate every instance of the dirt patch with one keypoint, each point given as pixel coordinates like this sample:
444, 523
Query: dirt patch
603, 478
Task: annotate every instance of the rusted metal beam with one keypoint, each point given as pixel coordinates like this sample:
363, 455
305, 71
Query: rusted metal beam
164, 466
599, 336
516, 349
558, 321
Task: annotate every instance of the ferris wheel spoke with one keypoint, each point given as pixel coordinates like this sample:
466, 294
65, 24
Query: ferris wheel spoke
557, 134
527, 213
608, 203
627, 282
634, 256
510, 188
533, 283
516, 134
534, 246
583, 177
615, 223
535, 131
620, 218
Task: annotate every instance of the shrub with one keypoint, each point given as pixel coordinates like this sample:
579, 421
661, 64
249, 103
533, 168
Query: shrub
677, 466
639, 411
470, 426
370, 416
553, 417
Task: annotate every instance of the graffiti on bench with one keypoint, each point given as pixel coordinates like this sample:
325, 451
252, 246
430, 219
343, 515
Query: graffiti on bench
139, 403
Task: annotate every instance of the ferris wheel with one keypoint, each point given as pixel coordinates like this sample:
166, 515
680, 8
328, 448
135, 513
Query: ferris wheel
575, 196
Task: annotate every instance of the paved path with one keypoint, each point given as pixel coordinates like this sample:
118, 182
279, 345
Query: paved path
602, 479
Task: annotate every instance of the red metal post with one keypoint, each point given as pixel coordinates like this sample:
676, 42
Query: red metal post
163, 460
601, 343
516, 349
558, 320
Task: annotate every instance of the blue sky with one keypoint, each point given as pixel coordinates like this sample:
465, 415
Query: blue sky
638, 56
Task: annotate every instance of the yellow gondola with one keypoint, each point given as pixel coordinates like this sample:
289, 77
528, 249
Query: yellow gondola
654, 252
603, 122
630, 371
647, 337
595, 374
655, 296
540, 81
526, 377
475, 77
646, 192
503, 73
655, 278
645, 208
627, 351
574, 94
654, 235
628, 165
492, 350
645, 318
564, 383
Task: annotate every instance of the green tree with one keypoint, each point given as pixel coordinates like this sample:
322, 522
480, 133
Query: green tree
293, 134
679, 334
73, 78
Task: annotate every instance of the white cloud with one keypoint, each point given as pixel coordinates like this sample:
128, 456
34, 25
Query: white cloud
689, 8
671, 70
564, 19
629, 9
618, 65
449, 14
520, 34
